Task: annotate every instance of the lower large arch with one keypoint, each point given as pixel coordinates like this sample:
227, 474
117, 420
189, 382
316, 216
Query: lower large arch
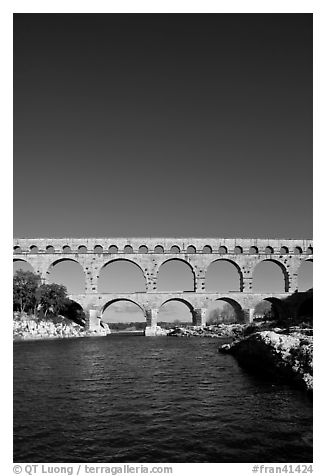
114, 301
69, 273
238, 314
177, 311
277, 309
121, 276
305, 310
124, 315
270, 276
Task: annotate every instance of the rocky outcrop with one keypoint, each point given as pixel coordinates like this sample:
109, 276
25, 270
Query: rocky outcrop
155, 331
32, 329
289, 356
220, 330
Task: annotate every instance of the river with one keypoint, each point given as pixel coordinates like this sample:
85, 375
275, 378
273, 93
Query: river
141, 399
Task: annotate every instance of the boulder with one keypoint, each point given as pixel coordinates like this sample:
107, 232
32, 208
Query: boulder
277, 355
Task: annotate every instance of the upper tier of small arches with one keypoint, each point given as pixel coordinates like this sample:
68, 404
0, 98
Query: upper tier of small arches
159, 249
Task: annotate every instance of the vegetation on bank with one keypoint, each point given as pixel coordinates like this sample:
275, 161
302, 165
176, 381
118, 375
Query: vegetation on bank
45, 302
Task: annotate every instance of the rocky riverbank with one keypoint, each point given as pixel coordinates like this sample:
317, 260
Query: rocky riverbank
288, 356
280, 353
33, 329
220, 330
234, 331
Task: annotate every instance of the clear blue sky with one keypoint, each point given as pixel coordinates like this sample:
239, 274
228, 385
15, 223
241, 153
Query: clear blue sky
163, 125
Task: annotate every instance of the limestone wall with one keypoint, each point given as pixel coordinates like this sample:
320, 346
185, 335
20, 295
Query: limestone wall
198, 253
183, 243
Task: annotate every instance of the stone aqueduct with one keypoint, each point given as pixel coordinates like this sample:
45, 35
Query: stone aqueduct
150, 253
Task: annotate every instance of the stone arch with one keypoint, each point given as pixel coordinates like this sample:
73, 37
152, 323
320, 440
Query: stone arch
79, 275
183, 301
143, 249
175, 249
309, 250
33, 249
159, 249
113, 301
82, 249
17, 250
281, 267
126, 314
279, 306
238, 250
66, 249
284, 250
132, 276
113, 249
98, 249
128, 249
232, 263
50, 249
253, 250
27, 265
59, 260
223, 250
191, 249
305, 275
269, 250
207, 249
20, 259
240, 316
298, 250
186, 266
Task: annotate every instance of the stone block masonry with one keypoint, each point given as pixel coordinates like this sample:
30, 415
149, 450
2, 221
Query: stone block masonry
149, 254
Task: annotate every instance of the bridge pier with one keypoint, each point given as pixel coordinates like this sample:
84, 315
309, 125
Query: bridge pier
93, 320
151, 322
248, 315
293, 282
199, 317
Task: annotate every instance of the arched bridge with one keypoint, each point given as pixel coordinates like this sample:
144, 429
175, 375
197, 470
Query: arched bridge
149, 254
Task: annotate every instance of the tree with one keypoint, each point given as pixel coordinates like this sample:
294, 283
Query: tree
264, 309
228, 314
72, 310
51, 298
213, 317
24, 292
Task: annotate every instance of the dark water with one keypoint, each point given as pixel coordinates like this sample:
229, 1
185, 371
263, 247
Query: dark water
141, 399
